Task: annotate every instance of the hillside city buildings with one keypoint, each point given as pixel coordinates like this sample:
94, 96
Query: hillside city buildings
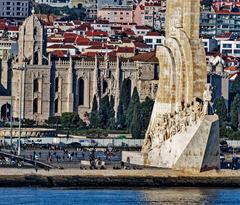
61, 65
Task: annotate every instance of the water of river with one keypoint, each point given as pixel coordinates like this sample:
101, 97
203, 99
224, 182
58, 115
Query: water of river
165, 196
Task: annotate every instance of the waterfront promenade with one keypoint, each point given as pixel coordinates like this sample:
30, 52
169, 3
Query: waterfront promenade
152, 178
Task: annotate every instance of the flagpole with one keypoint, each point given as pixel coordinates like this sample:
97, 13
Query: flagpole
11, 110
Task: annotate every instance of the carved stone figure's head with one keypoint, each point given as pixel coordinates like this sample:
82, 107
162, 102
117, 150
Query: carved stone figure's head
178, 18
208, 86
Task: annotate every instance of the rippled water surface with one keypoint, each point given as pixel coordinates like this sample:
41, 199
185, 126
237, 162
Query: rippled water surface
179, 196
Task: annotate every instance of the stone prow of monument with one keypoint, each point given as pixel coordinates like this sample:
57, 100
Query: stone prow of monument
182, 134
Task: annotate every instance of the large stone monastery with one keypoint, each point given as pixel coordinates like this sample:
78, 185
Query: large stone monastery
42, 85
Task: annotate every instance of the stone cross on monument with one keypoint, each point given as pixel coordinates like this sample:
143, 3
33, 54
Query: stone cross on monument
181, 134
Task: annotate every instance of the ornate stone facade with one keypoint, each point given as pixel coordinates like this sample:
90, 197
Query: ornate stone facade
48, 86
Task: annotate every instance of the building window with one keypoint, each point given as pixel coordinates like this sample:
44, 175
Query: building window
56, 106
81, 91
35, 60
147, 40
156, 72
56, 84
35, 105
226, 51
227, 45
237, 51
129, 88
5, 111
105, 86
35, 85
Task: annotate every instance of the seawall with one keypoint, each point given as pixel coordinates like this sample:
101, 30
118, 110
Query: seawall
116, 178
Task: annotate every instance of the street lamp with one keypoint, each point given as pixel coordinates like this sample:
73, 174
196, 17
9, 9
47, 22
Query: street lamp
22, 69
11, 108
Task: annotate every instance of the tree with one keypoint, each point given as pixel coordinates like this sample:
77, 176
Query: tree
71, 120
104, 113
235, 108
125, 94
66, 12
146, 112
207, 3
111, 118
236, 86
134, 100
94, 117
135, 127
53, 120
220, 109
28, 123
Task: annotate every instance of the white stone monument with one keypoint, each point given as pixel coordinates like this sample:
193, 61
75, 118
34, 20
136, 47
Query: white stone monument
182, 134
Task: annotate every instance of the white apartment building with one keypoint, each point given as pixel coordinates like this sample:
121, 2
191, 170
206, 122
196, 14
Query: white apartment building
153, 39
230, 47
14, 8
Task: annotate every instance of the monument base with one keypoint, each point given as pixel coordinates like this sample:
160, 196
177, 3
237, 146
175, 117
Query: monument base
197, 149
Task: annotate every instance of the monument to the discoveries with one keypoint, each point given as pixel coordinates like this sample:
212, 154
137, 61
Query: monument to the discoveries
182, 134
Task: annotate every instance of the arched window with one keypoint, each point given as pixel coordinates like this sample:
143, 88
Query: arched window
56, 106
56, 84
35, 85
129, 87
105, 86
81, 91
35, 105
35, 58
156, 72
5, 111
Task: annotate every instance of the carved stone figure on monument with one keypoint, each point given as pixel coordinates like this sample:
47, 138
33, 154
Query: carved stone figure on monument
147, 144
193, 115
177, 122
207, 98
176, 21
183, 121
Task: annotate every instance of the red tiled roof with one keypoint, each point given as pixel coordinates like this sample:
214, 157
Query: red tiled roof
3, 27
77, 22
145, 57
81, 40
83, 27
55, 46
141, 45
142, 27
91, 54
3, 21
96, 33
9, 27
93, 43
227, 12
126, 50
69, 40
129, 32
232, 68
126, 40
54, 40
69, 35
59, 53
103, 46
153, 33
